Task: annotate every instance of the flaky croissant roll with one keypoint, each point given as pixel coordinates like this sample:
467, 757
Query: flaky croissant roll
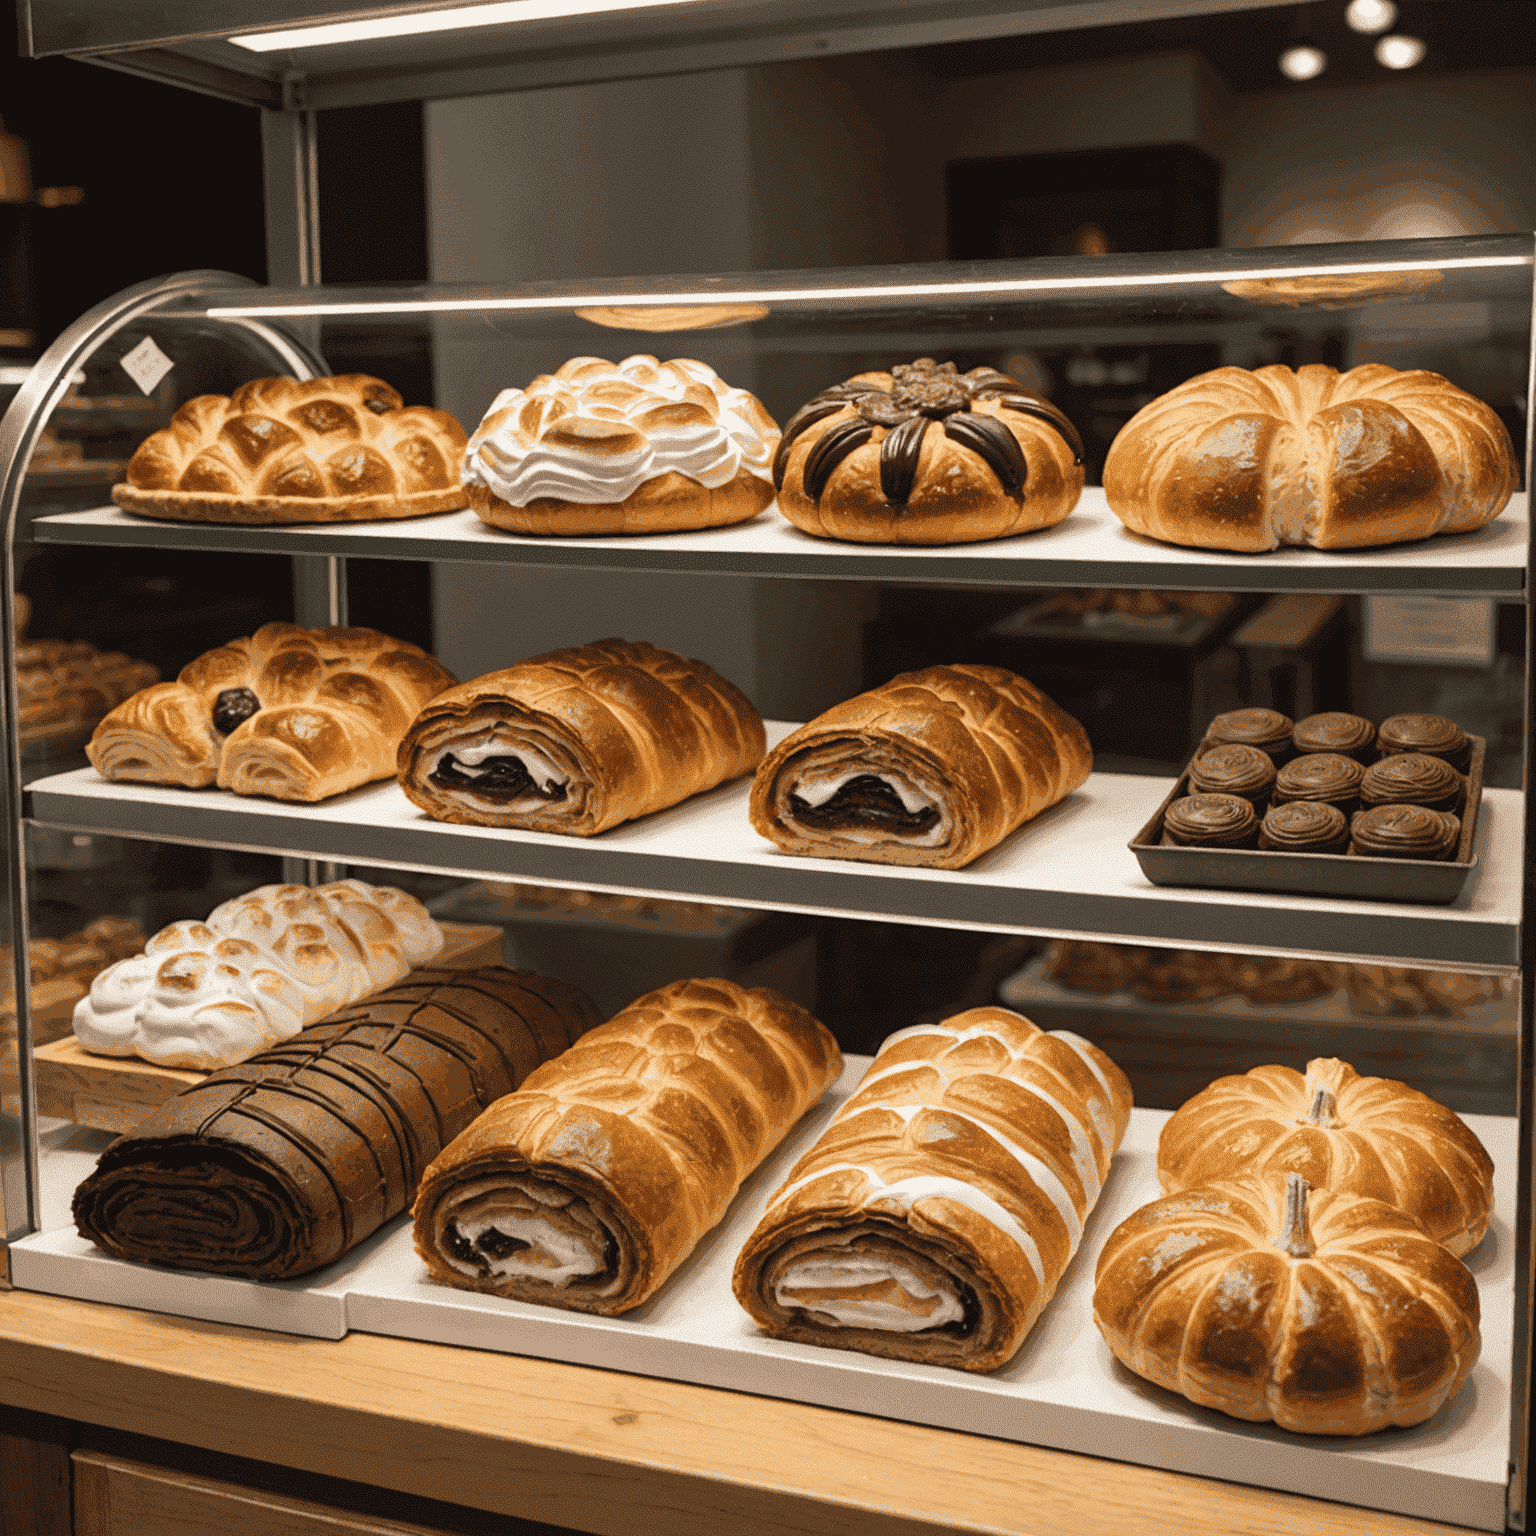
577, 741
592, 1183
932, 768
935, 1217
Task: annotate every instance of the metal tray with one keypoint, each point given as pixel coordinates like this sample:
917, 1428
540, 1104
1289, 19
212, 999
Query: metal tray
1313, 874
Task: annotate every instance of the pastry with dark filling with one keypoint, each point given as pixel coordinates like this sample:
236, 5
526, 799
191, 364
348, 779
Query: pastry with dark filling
927, 455
1428, 735
936, 1215
1234, 770
1304, 826
1404, 832
1210, 821
1345, 735
579, 740
278, 1166
1322, 776
932, 768
591, 1184
1266, 729
1411, 778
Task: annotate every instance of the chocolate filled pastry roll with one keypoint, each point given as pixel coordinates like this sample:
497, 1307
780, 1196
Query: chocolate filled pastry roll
1322, 776
1346, 735
1234, 770
935, 1217
1304, 826
589, 1186
1266, 729
278, 1166
1210, 821
1429, 735
1412, 778
932, 768
1404, 832
579, 740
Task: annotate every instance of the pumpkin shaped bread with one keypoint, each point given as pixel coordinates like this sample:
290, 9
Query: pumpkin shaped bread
1324, 1312
1363, 1136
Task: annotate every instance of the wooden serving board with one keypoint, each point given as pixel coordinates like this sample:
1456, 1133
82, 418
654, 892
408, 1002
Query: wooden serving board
113, 1093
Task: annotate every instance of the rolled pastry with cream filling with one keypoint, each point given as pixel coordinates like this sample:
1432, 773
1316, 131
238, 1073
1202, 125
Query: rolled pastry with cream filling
591, 1184
577, 741
932, 768
935, 1217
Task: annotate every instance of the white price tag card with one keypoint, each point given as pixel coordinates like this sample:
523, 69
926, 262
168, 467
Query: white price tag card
1458, 631
146, 365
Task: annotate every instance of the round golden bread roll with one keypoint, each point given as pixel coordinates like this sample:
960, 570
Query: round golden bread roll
1251, 460
926, 455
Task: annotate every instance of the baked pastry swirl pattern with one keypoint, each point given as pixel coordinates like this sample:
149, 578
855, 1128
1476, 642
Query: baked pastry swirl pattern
1404, 832
277, 1167
639, 446
1211, 821
1412, 778
342, 449
1304, 826
298, 714
1428, 735
938, 1212
1250, 461
926, 455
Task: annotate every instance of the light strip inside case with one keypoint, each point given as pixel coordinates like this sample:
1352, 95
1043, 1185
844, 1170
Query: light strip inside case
455, 18
1001, 287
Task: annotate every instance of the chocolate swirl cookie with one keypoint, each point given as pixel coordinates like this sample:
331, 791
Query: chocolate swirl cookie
1266, 729
1412, 778
1210, 821
927, 455
1325, 777
1347, 735
1234, 770
1404, 832
1427, 735
1304, 826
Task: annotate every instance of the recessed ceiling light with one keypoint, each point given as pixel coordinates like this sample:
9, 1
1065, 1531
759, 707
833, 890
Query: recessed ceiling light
1370, 15
412, 23
1398, 52
1303, 62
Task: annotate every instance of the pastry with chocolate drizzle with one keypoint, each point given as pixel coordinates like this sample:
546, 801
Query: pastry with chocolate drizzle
925, 454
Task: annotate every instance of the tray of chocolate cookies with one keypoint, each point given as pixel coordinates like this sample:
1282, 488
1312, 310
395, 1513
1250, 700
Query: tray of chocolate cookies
1327, 806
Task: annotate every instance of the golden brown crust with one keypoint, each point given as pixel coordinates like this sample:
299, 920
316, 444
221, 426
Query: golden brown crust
1251, 460
956, 496
647, 1125
1370, 1137
325, 711
628, 727
1011, 1131
983, 745
338, 449
1359, 1322
670, 503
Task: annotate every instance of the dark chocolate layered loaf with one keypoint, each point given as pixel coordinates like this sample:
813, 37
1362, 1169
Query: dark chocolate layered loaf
1404, 832
1234, 770
1304, 826
1412, 778
1432, 735
278, 1166
1210, 821
1348, 735
1266, 729
1325, 777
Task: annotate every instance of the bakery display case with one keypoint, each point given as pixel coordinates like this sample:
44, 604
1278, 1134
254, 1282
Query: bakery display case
1053, 858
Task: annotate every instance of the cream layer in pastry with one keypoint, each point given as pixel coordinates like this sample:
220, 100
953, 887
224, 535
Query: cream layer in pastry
858, 1292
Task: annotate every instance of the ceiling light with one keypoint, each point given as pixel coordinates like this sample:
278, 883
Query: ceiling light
1303, 62
1398, 52
1370, 15
411, 23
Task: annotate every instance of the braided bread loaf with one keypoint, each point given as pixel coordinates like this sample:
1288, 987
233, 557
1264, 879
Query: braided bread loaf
298, 714
938, 1212
577, 741
591, 1184
932, 768
1252, 460
331, 450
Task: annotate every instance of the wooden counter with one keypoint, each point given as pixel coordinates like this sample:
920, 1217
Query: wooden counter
596, 1450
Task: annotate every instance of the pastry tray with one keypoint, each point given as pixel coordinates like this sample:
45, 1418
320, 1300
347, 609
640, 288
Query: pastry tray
1314, 874
1063, 1389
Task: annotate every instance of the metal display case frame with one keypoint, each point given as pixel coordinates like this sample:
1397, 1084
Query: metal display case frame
187, 44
